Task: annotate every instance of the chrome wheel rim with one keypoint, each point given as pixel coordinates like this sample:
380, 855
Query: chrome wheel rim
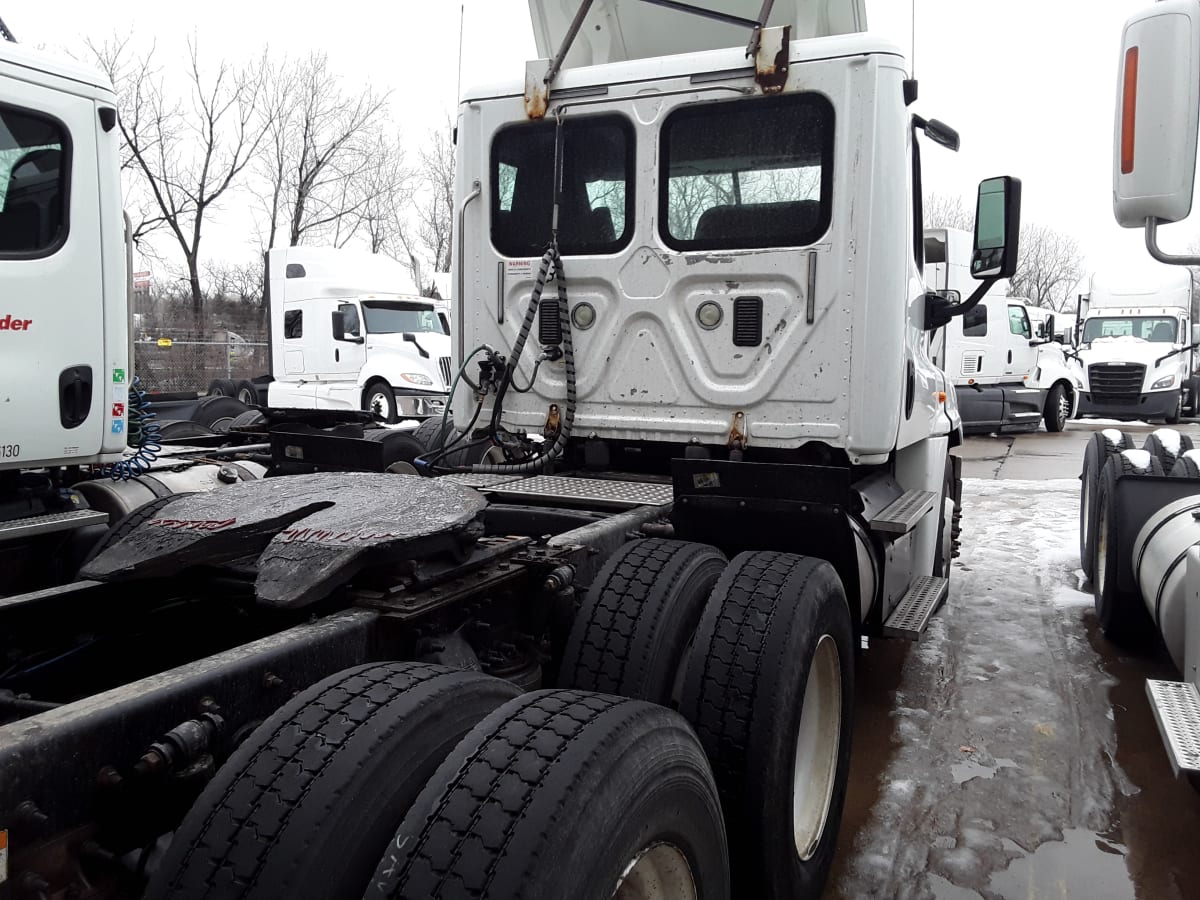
817, 740
657, 872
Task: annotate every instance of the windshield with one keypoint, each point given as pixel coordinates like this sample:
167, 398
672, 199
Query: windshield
1157, 329
393, 318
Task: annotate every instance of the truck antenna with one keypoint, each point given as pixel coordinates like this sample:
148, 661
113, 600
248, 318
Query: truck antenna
912, 33
458, 84
5, 33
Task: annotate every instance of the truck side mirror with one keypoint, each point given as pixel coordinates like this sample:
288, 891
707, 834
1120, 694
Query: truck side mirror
339, 328
997, 228
1196, 333
1158, 98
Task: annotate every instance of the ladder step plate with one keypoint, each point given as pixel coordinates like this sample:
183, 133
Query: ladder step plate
919, 602
902, 514
595, 491
1176, 706
33, 525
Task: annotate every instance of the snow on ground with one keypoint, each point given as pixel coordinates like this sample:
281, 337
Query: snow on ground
1006, 742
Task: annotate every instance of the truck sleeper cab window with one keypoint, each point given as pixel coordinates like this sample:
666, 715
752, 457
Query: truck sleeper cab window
747, 173
293, 324
34, 162
596, 207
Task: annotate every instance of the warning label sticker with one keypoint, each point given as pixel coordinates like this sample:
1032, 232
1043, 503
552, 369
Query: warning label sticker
3, 856
519, 268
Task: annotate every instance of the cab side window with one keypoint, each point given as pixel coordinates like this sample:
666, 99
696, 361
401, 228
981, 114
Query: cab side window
1018, 322
975, 321
34, 162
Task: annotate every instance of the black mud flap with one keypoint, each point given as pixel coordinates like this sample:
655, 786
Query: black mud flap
741, 506
311, 533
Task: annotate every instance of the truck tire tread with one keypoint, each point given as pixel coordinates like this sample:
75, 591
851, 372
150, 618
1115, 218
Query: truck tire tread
639, 614
514, 785
253, 831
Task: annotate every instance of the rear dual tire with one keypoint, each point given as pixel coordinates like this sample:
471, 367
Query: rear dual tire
1099, 449
1122, 615
304, 807
769, 689
563, 794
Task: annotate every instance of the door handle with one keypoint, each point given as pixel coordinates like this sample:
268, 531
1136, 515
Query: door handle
337, 355
1010, 356
74, 395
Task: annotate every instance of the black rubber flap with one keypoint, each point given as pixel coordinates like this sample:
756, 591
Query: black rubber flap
311, 532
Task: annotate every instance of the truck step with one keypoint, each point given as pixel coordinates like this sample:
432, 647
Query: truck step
66, 521
593, 491
902, 514
919, 602
1176, 706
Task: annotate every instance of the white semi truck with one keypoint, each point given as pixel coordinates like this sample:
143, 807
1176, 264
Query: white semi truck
349, 331
1008, 371
1136, 343
1139, 531
608, 649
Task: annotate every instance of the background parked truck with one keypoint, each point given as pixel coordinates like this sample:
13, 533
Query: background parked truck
348, 331
1008, 371
1136, 344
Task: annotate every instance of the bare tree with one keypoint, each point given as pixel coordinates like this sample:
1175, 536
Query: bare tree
947, 211
321, 151
1050, 264
424, 242
188, 150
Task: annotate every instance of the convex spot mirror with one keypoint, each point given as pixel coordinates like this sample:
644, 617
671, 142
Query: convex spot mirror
952, 296
997, 227
1158, 95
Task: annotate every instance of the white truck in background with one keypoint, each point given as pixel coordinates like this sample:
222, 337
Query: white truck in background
349, 331
1136, 339
1008, 370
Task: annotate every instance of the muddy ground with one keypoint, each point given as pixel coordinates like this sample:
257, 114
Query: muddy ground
1012, 752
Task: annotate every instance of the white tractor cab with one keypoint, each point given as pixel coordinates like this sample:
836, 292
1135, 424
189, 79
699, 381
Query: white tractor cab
350, 331
63, 392
704, 270
1139, 531
1008, 368
1136, 343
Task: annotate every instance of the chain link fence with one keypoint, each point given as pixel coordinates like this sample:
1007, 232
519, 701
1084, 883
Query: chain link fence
166, 365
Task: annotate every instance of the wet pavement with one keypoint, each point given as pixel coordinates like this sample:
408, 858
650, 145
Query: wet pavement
1012, 752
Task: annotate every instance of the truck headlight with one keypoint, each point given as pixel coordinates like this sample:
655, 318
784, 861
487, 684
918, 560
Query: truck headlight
1168, 381
417, 378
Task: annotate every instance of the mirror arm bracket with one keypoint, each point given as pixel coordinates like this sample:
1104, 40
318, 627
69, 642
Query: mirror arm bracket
1158, 253
939, 311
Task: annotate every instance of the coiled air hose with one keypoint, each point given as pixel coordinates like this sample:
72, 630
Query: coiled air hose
551, 262
144, 437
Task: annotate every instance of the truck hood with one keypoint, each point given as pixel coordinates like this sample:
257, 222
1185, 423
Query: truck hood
436, 345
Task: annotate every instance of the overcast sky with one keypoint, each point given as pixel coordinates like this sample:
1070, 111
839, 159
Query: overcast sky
1029, 84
